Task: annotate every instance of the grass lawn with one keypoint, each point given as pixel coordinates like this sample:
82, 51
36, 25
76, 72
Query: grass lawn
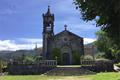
99, 76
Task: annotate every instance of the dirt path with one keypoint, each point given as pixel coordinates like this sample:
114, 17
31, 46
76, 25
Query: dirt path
72, 78
76, 78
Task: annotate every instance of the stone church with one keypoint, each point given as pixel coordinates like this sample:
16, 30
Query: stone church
65, 46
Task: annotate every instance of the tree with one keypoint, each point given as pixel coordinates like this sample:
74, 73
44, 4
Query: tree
29, 59
104, 44
1, 65
38, 58
76, 57
106, 13
56, 55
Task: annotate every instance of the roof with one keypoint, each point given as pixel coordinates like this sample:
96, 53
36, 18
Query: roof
70, 33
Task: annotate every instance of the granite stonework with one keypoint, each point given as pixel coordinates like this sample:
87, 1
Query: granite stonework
66, 41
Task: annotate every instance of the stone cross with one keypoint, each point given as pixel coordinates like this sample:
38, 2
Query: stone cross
65, 27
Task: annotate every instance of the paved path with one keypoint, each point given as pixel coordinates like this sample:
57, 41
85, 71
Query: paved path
73, 78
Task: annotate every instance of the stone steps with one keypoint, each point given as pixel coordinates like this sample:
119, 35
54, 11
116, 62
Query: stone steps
68, 71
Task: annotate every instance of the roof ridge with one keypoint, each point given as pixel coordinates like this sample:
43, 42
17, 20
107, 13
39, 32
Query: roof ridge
69, 32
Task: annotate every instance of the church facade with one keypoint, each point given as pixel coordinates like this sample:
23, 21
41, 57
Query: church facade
65, 46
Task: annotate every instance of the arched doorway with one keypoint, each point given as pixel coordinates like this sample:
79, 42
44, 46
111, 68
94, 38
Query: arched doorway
66, 59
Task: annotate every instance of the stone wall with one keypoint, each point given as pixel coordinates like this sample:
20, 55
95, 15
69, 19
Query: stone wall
99, 66
30, 69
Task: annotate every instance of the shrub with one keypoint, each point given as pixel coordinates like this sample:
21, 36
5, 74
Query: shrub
1, 65
100, 55
118, 64
56, 55
76, 57
117, 56
103, 65
88, 57
38, 58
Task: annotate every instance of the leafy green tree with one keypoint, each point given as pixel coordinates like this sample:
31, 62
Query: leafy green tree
88, 57
29, 59
116, 54
104, 44
106, 13
76, 57
100, 55
56, 55
1, 65
38, 58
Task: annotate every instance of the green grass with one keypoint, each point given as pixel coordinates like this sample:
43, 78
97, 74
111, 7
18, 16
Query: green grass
107, 76
45, 78
99, 76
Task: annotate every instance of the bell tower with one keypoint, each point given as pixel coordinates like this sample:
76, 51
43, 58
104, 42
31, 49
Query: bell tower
48, 30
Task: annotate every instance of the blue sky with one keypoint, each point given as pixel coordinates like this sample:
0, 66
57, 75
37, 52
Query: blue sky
21, 22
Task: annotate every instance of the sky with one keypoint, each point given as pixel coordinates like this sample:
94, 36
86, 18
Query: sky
21, 22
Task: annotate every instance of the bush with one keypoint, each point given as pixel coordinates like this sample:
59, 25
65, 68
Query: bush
76, 57
38, 58
56, 55
88, 57
118, 64
1, 65
100, 55
117, 56
103, 65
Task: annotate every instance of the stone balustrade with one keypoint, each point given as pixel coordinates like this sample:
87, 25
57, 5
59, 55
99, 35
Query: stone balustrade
87, 62
40, 67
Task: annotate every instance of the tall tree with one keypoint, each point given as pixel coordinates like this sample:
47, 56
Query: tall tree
106, 13
1, 66
56, 55
104, 44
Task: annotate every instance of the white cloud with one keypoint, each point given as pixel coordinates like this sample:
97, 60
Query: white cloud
29, 43
29, 40
13, 45
88, 40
